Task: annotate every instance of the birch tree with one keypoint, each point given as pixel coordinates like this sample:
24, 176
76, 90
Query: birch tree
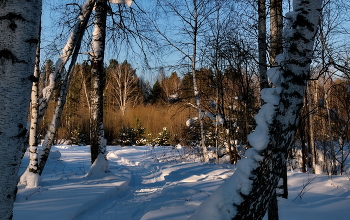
193, 14
34, 106
20, 31
262, 44
97, 140
123, 83
31, 177
276, 26
248, 192
67, 51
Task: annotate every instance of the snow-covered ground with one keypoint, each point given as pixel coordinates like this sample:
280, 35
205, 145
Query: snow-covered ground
145, 183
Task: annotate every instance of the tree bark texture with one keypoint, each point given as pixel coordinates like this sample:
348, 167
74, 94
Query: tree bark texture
195, 87
276, 48
262, 44
272, 212
34, 106
248, 192
67, 51
300, 33
97, 141
17, 57
63, 88
276, 29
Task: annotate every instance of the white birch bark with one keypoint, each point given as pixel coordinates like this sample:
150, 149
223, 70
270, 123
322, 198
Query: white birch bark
124, 84
17, 57
62, 61
31, 176
195, 87
97, 140
64, 85
310, 104
252, 185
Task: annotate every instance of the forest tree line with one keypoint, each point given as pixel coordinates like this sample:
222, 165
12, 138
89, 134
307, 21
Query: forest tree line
139, 113
210, 108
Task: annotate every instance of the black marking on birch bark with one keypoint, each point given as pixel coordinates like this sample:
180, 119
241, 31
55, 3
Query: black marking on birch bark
12, 17
32, 78
32, 41
299, 36
8, 55
22, 131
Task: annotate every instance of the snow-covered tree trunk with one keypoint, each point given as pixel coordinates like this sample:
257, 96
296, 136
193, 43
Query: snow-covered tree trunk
64, 85
247, 193
97, 140
276, 28
17, 57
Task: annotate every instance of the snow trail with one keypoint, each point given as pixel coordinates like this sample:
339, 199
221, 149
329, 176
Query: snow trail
157, 190
145, 184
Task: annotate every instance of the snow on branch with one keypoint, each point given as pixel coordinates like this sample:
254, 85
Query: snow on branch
246, 194
65, 55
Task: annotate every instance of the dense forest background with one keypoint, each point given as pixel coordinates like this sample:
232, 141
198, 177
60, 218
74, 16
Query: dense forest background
139, 113
233, 81
224, 58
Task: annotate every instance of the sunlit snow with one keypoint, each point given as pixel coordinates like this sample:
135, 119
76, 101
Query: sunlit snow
158, 183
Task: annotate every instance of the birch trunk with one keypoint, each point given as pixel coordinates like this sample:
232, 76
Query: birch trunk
276, 48
311, 140
64, 57
17, 56
262, 45
253, 184
30, 176
195, 87
97, 141
64, 85
276, 29
300, 34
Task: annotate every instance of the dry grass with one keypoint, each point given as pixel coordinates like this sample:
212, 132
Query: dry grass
152, 117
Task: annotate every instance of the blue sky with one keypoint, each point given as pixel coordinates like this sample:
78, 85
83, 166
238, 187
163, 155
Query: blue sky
49, 33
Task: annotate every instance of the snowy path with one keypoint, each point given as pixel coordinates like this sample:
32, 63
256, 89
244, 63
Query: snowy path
133, 204
170, 191
156, 184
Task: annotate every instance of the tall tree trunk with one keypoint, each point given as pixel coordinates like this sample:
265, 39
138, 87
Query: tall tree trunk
63, 88
292, 82
31, 174
310, 105
333, 160
276, 48
253, 184
17, 57
31, 139
304, 151
262, 45
97, 141
276, 29
67, 51
195, 87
